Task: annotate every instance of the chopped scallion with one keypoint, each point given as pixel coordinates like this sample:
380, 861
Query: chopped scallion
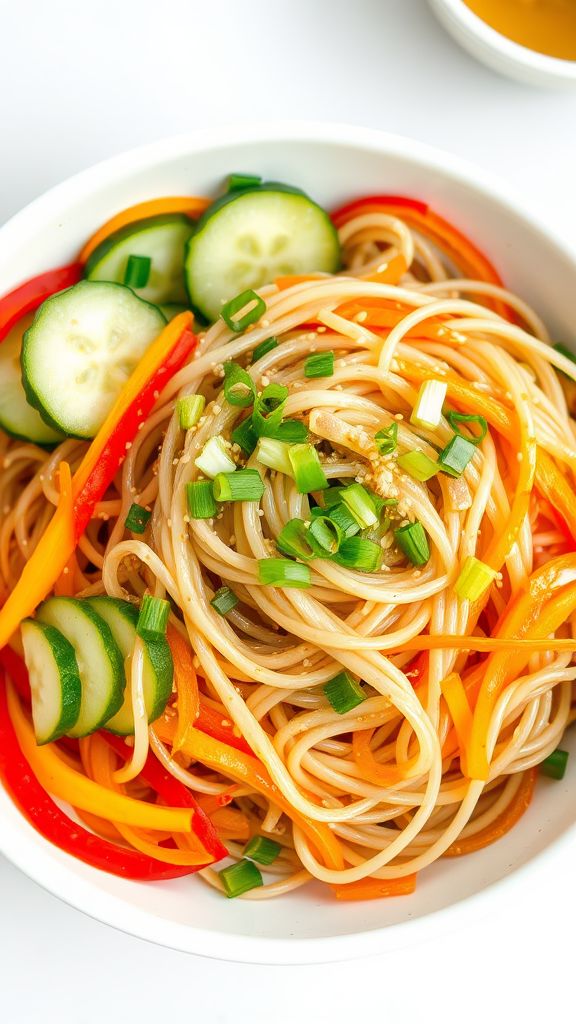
263, 348
241, 181
238, 385
215, 458
320, 364
360, 554
344, 693
554, 766
342, 516
294, 540
201, 504
153, 618
137, 519
262, 849
475, 576
387, 440
236, 305
413, 542
190, 409
274, 454
454, 458
290, 431
224, 600
455, 419
428, 409
240, 878
418, 465
269, 409
243, 485
333, 496
308, 472
326, 534
359, 502
244, 436
137, 271
280, 572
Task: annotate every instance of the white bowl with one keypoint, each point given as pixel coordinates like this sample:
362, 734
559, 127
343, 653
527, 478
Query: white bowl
333, 163
500, 53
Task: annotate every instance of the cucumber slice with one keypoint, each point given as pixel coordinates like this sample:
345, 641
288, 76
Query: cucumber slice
247, 239
98, 656
158, 668
54, 680
81, 348
17, 417
162, 240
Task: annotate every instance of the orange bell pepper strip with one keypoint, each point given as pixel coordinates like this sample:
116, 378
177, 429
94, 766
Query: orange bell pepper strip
375, 888
455, 696
554, 486
186, 680
191, 206
370, 769
504, 822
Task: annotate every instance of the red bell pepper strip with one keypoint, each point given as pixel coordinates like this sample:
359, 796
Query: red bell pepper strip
28, 296
46, 817
343, 213
175, 794
16, 669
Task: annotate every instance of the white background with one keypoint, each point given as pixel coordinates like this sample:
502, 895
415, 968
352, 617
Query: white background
81, 81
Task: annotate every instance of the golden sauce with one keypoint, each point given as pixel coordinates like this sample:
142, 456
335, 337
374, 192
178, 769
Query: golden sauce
547, 26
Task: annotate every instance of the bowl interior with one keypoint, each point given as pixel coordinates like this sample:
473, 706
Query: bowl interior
333, 165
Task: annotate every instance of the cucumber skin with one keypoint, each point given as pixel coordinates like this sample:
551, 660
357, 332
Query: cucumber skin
72, 692
31, 395
229, 197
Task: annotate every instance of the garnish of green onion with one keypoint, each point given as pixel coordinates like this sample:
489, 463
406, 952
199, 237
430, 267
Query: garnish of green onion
428, 409
308, 472
554, 766
240, 878
454, 458
190, 409
359, 502
137, 519
333, 496
215, 458
387, 440
294, 540
274, 454
360, 554
137, 271
201, 504
243, 485
456, 419
413, 542
326, 535
153, 618
244, 436
290, 431
269, 409
279, 572
418, 465
236, 305
475, 577
238, 385
263, 348
320, 364
262, 849
240, 181
344, 693
342, 516
224, 600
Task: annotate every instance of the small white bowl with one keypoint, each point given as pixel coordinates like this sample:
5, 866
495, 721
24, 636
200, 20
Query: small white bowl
500, 53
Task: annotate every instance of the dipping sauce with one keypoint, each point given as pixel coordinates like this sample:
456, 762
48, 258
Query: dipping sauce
547, 26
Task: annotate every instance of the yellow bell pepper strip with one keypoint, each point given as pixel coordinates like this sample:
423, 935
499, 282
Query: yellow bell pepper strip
192, 206
64, 783
504, 822
98, 468
375, 888
456, 699
249, 770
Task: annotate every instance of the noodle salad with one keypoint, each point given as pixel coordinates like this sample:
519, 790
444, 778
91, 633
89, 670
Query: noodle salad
287, 545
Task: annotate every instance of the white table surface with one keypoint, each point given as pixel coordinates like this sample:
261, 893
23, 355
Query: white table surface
79, 82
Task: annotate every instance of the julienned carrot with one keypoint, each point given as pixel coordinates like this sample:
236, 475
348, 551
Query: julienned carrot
370, 769
191, 206
484, 644
390, 272
375, 888
187, 695
454, 694
553, 485
504, 822
289, 280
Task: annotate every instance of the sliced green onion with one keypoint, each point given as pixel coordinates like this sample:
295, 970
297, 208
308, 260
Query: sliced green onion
229, 310
554, 766
137, 271
308, 472
454, 458
262, 849
243, 485
428, 409
215, 458
376, 533
360, 504
326, 534
224, 600
413, 542
190, 409
418, 465
244, 436
475, 576
279, 572
240, 878
274, 454
456, 418
294, 540
360, 554
201, 504
137, 519
263, 348
238, 385
290, 431
342, 516
333, 496
344, 693
239, 181
153, 618
269, 409
387, 440
320, 364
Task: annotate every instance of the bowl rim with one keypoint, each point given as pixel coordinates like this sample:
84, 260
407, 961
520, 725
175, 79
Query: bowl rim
510, 51
30, 856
